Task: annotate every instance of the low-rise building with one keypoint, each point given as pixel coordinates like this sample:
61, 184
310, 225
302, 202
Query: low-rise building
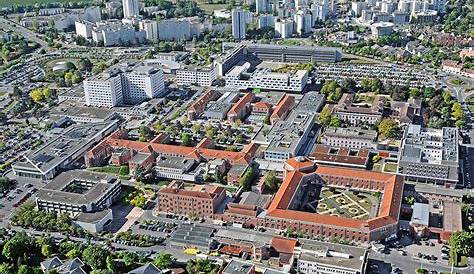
323, 257
202, 76
198, 107
359, 113
217, 110
351, 137
199, 201
430, 155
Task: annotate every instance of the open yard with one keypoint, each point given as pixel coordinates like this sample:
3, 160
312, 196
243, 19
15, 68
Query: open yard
347, 203
210, 8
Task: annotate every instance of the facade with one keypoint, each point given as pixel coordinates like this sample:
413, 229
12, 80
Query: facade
196, 76
240, 78
350, 137
284, 28
177, 168
105, 90
151, 29
119, 86
198, 107
130, 8
381, 29
239, 23
116, 33
303, 22
241, 108
200, 201
217, 110
143, 83
430, 155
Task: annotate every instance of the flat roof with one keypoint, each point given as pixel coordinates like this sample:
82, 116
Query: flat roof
55, 191
421, 214
238, 267
337, 255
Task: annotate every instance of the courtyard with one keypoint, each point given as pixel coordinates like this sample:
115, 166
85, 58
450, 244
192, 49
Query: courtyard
347, 203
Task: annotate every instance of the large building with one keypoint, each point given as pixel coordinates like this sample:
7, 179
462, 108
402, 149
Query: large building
62, 150
284, 28
116, 33
350, 137
430, 155
289, 54
321, 257
359, 113
239, 23
151, 29
240, 77
202, 76
104, 90
130, 8
126, 85
200, 201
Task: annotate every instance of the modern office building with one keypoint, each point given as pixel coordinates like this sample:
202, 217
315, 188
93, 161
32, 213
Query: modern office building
200, 76
430, 155
62, 150
130, 8
263, 78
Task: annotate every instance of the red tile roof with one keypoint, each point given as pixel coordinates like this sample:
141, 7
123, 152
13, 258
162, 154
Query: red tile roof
283, 107
283, 245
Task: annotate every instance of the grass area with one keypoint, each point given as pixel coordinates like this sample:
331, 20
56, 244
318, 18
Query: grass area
364, 98
6, 3
210, 8
389, 167
122, 171
456, 82
162, 183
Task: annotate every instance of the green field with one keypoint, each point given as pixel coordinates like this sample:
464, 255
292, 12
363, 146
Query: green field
6, 3
210, 8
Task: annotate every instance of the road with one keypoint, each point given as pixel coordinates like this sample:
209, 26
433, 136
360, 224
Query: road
28, 34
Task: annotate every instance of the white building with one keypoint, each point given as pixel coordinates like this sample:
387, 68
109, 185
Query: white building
105, 90
196, 76
303, 22
84, 29
130, 8
143, 83
381, 29
239, 22
92, 14
114, 33
284, 28
240, 78
151, 29
357, 7
318, 13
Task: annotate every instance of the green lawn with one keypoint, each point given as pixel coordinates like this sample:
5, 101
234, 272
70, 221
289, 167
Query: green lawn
6, 3
389, 167
117, 170
210, 8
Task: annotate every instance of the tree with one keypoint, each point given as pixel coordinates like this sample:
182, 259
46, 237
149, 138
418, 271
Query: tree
185, 121
163, 260
462, 242
246, 180
196, 128
201, 266
95, 256
185, 139
145, 133
6, 269
18, 246
23, 269
37, 95
388, 127
267, 120
325, 116
4, 183
158, 126
110, 264
335, 122
271, 181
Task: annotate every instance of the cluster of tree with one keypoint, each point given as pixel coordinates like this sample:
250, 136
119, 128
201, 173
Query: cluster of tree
327, 119
440, 109
201, 266
388, 128
253, 32
28, 216
332, 90
18, 7
165, 46
137, 239
14, 48
271, 181
246, 180
146, 134
292, 67
39, 95
461, 244
459, 17
5, 183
